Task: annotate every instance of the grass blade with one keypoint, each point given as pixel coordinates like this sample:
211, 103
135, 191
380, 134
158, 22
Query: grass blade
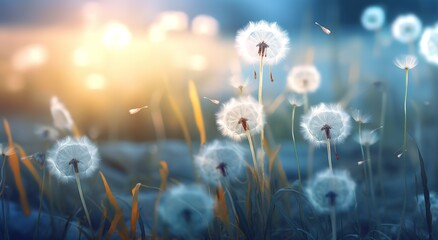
197, 111
134, 209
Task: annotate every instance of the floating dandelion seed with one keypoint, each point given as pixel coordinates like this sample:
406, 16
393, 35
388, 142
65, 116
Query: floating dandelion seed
406, 62
429, 44
406, 28
186, 210
360, 162
220, 161
329, 191
303, 79
61, 116
373, 18
229, 118
215, 101
136, 110
324, 29
262, 39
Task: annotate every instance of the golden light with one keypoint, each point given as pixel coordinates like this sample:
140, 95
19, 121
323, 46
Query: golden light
14, 83
173, 21
197, 62
29, 56
116, 35
81, 57
156, 33
205, 25
95, 81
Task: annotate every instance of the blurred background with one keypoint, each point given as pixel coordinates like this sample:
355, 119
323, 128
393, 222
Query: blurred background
102, 58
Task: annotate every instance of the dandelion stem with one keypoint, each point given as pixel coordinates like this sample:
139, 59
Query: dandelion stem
371, 178
261, 80
251, 146
262, 133
333, 220
306, 102
329, 155
379, 159
402, 219
300, 186
81, 195
359, 124
41, 204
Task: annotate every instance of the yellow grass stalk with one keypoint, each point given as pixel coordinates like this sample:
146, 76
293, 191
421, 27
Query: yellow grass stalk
134, 209
197, 111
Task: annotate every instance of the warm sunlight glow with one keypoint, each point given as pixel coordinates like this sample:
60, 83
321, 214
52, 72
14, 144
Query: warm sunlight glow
116, 35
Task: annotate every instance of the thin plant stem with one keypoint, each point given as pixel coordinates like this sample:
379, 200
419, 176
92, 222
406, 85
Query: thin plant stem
359, 124
261, 80
2, 194
81, 195
329, 155
371, 178
402, 219
262, 133
333, 220
306, 102
240, 91
300, 186
379, 159
251, 146
41, 204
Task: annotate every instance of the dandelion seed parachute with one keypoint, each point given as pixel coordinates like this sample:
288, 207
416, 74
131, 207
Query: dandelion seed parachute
373, 18
406, 62
359, 117
60, 155
233, 111
295, 101
186, 210
255, 33
429, 44
220, 161
61, 116
406, 28
331, 190
303, 79
331, 115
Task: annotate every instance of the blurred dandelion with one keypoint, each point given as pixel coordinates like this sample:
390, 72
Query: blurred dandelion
262, 42
326, 123
359, 117
239, 118
238, 82
304, 79
220, 161
332, 192
429, 44
72, 158
406, 28
367, 137
47, 133
205, 25
5, 150
373, 18
186, 210
61, 116
406, 63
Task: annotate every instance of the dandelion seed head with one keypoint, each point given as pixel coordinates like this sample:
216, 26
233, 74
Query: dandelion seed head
329, 190
232, 112
406, 62
237, 81
248, 41
294, 100
320, 117
367, 137
47, 133
303, 79
64, 150
220, 161
359, 117
61, 116
186, 210
406, 28
429, 44
373, 18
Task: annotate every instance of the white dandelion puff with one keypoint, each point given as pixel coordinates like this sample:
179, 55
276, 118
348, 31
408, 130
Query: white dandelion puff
295, 100
186, 210
60, 156
235, 114
367, 137
359, 117
429, 44
373, 18
262, 39
406, 28
303, 79
324, 122
61, 116
329, 191
47, 133
220, 161
406, 62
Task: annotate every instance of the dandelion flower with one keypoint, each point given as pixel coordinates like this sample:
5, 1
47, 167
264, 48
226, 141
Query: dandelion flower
61, 116
329, 191
220, 161
406, 62
186, 210
360, 117
323, 119
230, 116
373, 18
295, 101
303, 79
64, 151
47, 133
367, 137
262, 39
429, 44
406, 28
238, 82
